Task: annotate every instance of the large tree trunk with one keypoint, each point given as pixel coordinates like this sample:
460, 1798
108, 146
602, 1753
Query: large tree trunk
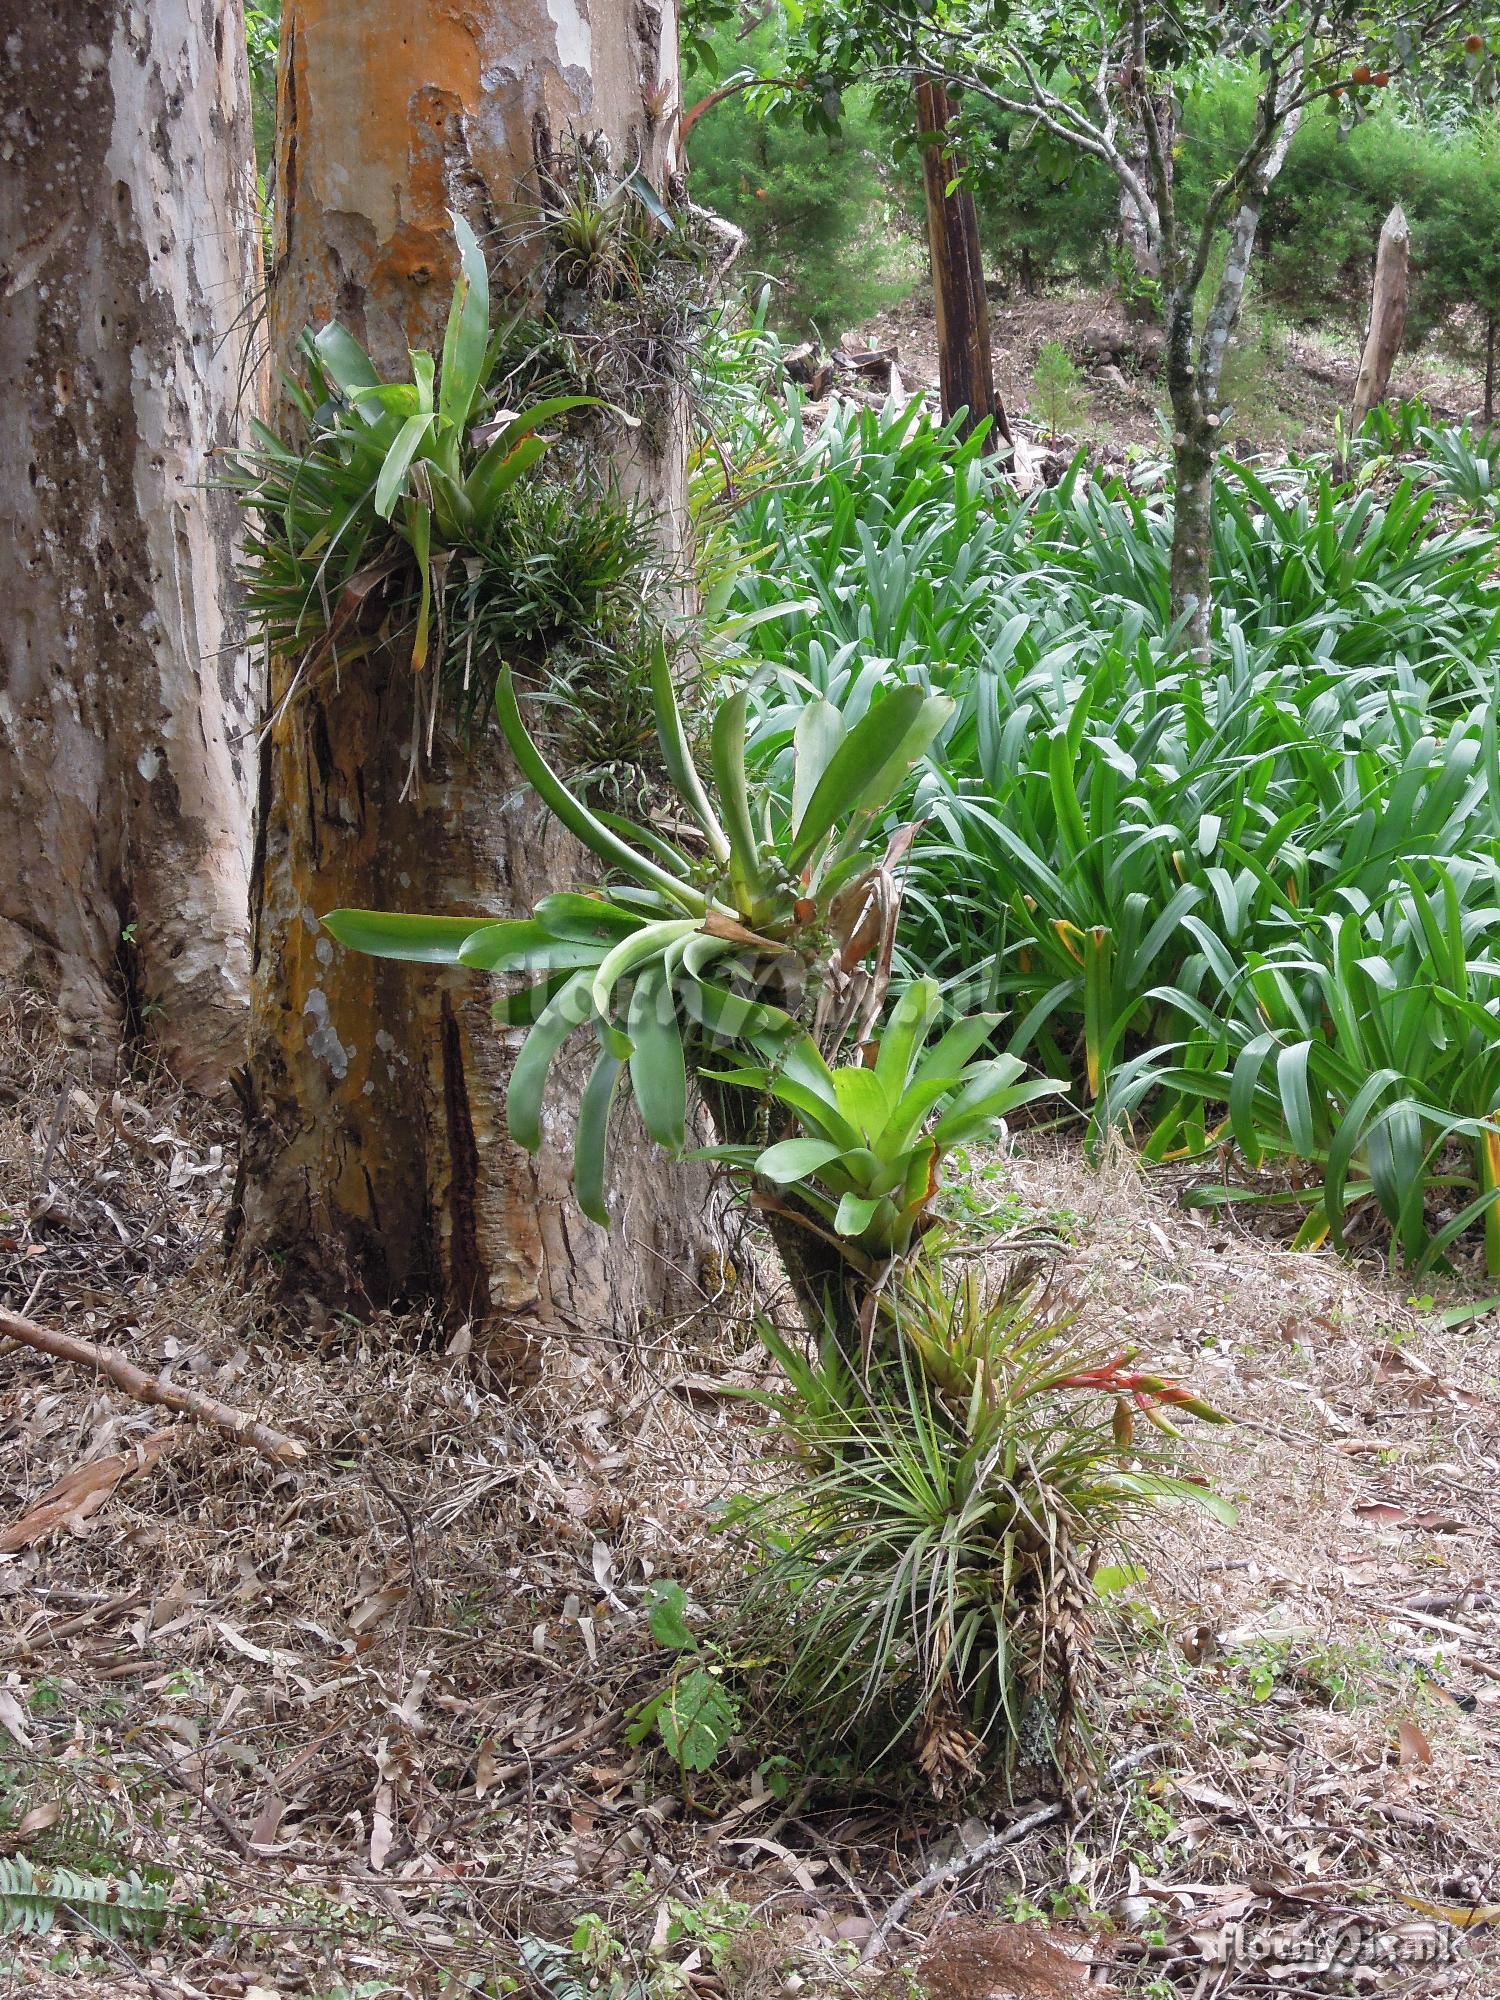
129, 265
377, 1169
965, 368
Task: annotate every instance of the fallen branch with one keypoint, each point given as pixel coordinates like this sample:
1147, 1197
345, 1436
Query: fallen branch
275, 1445
959, 1864
976, 1857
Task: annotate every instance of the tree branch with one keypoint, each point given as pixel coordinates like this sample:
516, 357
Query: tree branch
1283, 115
272, 1444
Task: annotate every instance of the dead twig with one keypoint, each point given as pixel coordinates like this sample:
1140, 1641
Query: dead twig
272, 1444
965, 1864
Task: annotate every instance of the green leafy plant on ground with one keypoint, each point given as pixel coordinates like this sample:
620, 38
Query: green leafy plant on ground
1366, 1038
749, 953
924, 1579
1109, 836
112, 1906
696, 1713
1058, 394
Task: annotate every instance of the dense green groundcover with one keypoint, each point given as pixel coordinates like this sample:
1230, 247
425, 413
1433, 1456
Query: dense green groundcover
1257, 901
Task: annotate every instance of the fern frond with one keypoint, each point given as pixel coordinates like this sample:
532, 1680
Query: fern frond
31, 1900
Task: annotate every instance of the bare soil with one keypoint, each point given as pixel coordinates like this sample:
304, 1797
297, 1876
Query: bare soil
363, 1721
1287, 386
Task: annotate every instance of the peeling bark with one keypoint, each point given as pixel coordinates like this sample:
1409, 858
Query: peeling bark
965, 366
377, 1170
129, 265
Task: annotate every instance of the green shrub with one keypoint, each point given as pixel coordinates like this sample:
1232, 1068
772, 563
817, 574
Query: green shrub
1060, 399
1366, 1047
1326, 207
822, 218
1099, 818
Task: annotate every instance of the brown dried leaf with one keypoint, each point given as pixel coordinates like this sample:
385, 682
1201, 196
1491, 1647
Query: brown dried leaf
378, 1606
82, 1492
1413, 1747
13, 1718
382, 1825
1390, 1513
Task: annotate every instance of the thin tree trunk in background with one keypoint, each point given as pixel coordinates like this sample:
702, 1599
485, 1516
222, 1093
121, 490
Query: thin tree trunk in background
129, 265
1489, 369
377, 1169
965, 368
1195, 383
1387, 318
1141, 232
1194, 449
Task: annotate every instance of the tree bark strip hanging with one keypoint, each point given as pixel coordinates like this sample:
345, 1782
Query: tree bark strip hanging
965, 367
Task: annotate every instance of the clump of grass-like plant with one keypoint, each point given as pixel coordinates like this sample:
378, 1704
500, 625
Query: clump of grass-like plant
922, 1585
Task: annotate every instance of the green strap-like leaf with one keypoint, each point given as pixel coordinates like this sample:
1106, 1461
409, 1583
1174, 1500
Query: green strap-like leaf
733, 1018
568, 914
564, 1013
888, 777
863, 752
409, 441
982, 1105
793, 1159
590, 1151
622, 959
856, 1212
952, 1051
515, 448
421, 940
497, 471
727, 742
524, 1007
468, 331
905, 1031
815, 741
344, 360
678, 756
1346, 1141
575, 816
419, 534
529, 947
658, 1068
